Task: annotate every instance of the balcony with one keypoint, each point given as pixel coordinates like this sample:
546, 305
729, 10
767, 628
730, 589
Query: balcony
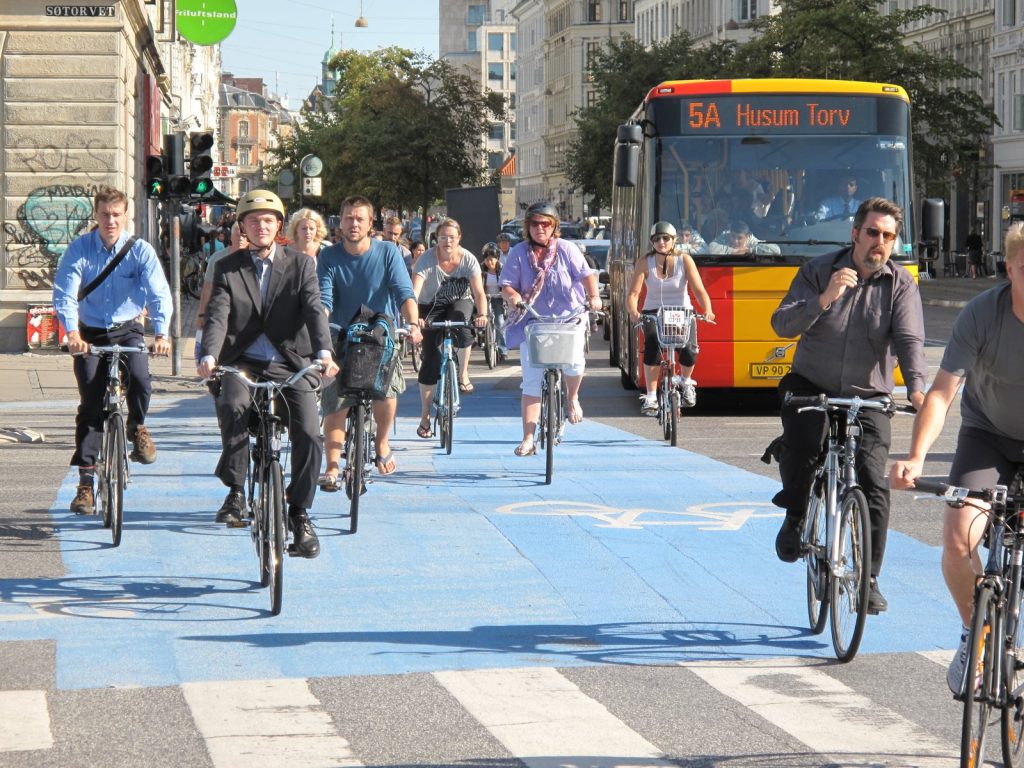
243, 141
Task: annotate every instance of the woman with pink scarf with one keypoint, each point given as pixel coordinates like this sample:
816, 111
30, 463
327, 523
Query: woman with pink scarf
551, 275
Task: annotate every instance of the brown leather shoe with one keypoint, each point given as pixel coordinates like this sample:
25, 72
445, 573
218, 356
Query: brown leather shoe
84, 503
143, 450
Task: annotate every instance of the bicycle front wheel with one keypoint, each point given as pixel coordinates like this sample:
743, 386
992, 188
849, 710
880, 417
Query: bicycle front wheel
550, 424
490, 346
276, 535
355, 468
979, 674
414, 351
1012, 715
450, 395
815, 549
673, 416
851, 575
114, 469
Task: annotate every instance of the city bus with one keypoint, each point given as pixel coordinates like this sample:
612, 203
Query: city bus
761, 155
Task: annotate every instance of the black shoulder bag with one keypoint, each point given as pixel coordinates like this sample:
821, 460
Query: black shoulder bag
83, 292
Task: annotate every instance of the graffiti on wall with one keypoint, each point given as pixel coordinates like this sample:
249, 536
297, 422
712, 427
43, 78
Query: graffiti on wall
49, 219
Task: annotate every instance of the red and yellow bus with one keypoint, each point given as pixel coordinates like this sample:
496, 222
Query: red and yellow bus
719, 154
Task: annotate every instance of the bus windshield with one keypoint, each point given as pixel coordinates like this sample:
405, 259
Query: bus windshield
795, 195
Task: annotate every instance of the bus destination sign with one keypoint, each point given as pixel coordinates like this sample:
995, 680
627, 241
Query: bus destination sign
800, 114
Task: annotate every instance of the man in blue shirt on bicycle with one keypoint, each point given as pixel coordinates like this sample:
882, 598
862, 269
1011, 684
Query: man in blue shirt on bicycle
985, 351
852, 309
106, 312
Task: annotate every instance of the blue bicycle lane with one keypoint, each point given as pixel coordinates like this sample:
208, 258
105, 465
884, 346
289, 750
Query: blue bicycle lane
637, 553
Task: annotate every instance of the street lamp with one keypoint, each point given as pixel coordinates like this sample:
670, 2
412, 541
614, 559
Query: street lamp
361, 22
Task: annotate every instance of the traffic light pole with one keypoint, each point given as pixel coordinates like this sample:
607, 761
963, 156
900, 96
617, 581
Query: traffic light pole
176, 294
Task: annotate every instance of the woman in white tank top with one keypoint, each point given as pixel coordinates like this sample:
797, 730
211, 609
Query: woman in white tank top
667, 272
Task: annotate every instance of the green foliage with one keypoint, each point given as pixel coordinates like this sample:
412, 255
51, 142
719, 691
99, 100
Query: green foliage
400, 129
832, 39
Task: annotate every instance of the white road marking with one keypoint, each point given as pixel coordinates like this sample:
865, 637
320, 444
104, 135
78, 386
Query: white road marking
265, 723
24, 721
544, 719
823, 713
939, 657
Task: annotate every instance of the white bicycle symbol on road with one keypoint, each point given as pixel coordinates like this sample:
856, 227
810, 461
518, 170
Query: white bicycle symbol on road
715, 516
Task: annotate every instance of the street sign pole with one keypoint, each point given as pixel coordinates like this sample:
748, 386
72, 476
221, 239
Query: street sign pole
176, 294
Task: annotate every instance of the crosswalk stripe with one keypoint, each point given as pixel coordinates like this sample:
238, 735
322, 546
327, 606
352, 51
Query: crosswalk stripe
820, 711
942, 657
24, 721
265, 723
538, 714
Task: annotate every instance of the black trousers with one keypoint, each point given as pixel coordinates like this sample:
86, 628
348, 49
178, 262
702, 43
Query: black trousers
803, 440
91, 375
234, 403
458, 311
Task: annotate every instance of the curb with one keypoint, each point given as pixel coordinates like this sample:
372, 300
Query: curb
956, 303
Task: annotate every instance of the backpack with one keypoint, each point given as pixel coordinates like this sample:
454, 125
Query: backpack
367, 355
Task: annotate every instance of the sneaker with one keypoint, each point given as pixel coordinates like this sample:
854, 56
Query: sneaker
957, 667
84, 503
143, 450
876, 602
305, 543
689, 393
232, 510
787, 542
649, 405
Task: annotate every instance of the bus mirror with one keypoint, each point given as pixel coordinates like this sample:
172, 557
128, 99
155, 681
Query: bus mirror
627, 155
604, 278
933, 216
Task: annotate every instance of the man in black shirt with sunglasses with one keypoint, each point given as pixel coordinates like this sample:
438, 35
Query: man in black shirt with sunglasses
855, 312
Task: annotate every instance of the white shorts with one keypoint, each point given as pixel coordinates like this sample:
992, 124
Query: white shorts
533, 378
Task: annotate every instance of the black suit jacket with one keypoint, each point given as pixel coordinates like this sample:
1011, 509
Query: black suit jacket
292, 318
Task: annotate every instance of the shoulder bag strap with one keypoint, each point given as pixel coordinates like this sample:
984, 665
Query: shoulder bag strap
82, 293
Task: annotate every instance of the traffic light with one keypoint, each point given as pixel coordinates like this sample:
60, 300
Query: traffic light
200, 163
156, 179
174, 154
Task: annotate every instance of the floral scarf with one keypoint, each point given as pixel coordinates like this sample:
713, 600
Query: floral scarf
541, 263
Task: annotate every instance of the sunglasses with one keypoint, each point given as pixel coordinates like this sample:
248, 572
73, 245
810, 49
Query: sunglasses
661, 238
542, 223
874, 233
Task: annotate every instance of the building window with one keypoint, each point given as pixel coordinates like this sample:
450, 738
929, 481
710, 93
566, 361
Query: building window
623, 10
1009, 13
593, 10
511, 101
243, 157
593, 51
512, 72
591, 98
496, 72
495, 42
243, 128
748, 10
471, 42
475, 15
496, 131
511, 131
495, 160
512, 41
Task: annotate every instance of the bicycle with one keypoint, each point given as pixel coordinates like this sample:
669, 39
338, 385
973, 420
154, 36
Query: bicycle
265, 478
995, 661
409, 349
446, 393
674, 326
488, 337
112, 466
836, 536
193, 270
553, 343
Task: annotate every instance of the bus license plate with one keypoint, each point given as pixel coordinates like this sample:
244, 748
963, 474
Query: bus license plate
768, 370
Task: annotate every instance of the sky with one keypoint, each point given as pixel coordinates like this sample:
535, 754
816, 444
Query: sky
284, 42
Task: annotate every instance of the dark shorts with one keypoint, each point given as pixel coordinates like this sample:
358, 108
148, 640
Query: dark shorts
983, 460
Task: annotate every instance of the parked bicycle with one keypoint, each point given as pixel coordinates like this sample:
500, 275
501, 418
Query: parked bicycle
836, 535
554, 343
674, 326
265, 478
446, 393
994, 675
112, 467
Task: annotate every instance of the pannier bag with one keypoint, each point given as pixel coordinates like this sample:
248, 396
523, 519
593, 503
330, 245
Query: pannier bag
367, 355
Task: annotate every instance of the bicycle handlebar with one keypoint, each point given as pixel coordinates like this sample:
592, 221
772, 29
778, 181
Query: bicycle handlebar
291, 381
957, 495
823, 403
448, 324
115, 349
528, 308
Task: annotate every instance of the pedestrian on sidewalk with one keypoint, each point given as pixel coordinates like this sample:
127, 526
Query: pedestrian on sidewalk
974, 245
104, 282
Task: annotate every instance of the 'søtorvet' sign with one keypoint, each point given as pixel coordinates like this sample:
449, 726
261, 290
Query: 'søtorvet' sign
84, 11
206, 22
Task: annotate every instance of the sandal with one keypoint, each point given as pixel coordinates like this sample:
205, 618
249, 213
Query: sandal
522, 450
381, 462
466, 388
424, 430
328, 481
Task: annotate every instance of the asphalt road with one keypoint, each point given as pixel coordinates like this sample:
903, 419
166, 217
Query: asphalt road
477, 619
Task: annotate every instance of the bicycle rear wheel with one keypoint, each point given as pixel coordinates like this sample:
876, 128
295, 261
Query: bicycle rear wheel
114, 468
451, 381
414, 351
980, 674
276, 533
851, 575
354, 460
1011, 724
490, 346
815, 548
549, 426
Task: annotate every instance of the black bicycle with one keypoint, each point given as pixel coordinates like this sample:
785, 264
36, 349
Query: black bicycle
112, 467
446, 392
994, 675
265, 478
836, 536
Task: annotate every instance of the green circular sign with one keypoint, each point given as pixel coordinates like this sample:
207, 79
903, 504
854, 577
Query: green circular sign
206, 22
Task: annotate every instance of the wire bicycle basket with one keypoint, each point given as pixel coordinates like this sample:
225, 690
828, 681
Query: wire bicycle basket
674, 325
